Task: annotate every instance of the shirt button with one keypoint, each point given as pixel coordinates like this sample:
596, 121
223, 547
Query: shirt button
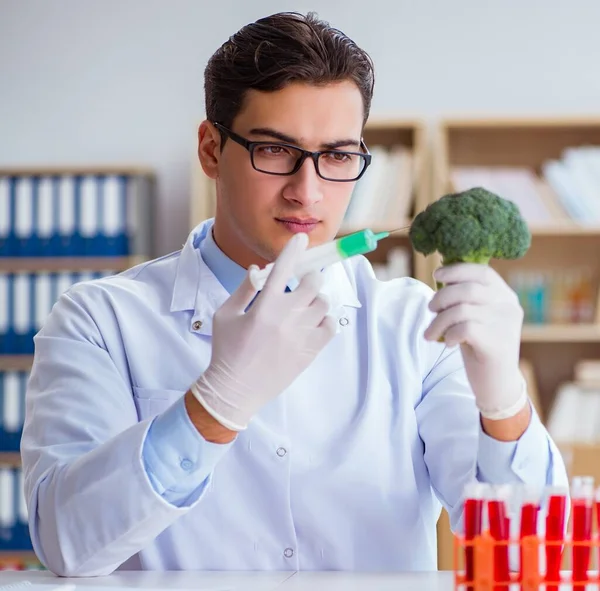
288, 552
197, 325
186, 465
281, 451
344, 321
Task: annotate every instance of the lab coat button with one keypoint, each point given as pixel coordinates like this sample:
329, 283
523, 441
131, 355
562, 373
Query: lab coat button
344, 321
281, 451
288, 552
197, 325
186, 465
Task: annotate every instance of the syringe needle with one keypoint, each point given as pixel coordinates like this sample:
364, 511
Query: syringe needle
398, 230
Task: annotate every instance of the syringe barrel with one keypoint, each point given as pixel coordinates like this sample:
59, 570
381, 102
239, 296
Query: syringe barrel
313, 259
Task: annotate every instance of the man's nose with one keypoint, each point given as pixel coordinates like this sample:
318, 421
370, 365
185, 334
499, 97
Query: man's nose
304, 186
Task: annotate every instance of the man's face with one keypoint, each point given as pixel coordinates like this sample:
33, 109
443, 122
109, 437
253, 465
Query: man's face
257, 213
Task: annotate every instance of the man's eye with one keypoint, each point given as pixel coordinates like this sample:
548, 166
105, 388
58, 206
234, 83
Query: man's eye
339, 156
273, 150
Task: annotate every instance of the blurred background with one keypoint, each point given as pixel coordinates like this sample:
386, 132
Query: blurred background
99, 106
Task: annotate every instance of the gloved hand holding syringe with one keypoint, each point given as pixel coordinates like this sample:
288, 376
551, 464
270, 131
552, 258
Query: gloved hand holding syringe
261, 345
319, 257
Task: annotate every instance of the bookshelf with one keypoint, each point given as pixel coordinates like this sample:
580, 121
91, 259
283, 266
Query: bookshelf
559, 243
58, 226
382, 136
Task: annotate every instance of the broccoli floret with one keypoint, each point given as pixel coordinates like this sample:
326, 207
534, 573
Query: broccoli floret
471, 226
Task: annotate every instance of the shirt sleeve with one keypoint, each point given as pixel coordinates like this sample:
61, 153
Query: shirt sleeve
532, 459
82, 448
458, 451
177, 459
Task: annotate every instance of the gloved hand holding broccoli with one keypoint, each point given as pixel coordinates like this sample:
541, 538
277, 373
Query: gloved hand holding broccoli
474, 307
473, 226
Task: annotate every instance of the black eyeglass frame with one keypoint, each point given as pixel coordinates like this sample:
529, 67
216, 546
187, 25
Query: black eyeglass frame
314, 156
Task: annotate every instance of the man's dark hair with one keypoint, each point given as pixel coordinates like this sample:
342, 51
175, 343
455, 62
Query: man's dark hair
277, 50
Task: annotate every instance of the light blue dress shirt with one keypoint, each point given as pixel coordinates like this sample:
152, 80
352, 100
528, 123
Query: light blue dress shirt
345, 470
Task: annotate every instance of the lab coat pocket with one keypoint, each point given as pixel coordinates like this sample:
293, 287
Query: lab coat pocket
152, 401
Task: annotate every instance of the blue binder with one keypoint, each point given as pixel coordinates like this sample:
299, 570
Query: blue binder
3, 437
4, 312
7, 314
45, 213
23, 313
8, 529
77, 242
22, 539
13, 249
112, 222
55, 246
24, 216
6, 221
12, 399
67, 216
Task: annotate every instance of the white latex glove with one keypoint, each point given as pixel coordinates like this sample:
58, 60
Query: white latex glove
479, 311
257, 354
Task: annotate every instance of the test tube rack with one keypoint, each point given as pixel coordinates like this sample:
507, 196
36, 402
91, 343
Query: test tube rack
483, 550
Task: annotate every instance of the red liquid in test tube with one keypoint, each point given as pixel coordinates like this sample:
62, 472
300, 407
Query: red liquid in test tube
474, 496
582, 497
555, 531
499, 524
598, 519
528, 525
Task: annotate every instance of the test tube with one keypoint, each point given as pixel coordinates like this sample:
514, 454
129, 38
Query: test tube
499, 524
530, 506
474, 495
582, 495
597, 503
555, 530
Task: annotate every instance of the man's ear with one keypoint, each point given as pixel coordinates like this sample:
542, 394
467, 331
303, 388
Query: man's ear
209, 149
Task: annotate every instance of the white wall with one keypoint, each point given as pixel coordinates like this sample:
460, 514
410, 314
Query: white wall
104, 81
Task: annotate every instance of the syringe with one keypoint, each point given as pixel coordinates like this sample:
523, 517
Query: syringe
319, 257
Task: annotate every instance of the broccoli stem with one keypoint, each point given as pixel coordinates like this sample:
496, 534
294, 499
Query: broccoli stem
480, 259
474, 258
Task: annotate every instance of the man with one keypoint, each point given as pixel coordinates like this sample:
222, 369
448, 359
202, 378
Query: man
176, 419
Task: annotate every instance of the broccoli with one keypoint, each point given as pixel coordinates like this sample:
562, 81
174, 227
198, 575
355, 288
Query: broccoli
473, 226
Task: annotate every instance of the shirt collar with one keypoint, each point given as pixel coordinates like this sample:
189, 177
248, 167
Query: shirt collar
227, 271
197, 287
192, 272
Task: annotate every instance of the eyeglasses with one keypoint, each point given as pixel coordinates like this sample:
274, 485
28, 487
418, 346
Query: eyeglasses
284, 159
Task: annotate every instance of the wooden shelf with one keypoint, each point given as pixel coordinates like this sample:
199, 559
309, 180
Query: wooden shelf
16, 362
561, 333
23, 264
12, 458
524, 121
565, 230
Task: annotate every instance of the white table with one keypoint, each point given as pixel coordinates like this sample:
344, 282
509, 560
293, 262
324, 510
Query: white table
248, 581
251, 581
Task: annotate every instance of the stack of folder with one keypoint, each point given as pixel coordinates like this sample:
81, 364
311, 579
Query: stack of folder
75, 214
26, 299
63, 219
